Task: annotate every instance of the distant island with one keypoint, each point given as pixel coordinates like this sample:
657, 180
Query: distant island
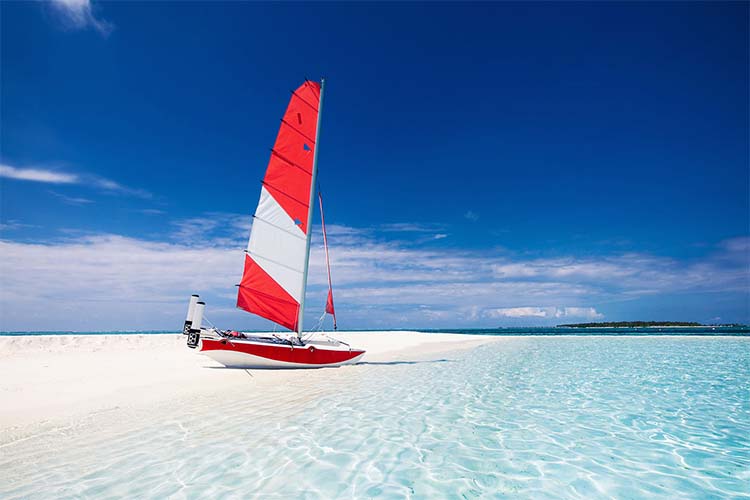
631, 324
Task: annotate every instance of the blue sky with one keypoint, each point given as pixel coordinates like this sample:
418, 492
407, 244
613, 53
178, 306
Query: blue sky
483, 164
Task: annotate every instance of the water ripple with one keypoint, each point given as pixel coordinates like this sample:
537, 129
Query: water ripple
522, 418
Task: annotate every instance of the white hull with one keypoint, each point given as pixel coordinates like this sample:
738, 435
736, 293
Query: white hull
317, 351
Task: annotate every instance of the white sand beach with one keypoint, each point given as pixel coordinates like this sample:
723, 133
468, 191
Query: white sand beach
51, 379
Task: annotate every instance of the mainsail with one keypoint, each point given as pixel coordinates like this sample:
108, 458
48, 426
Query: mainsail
276, 259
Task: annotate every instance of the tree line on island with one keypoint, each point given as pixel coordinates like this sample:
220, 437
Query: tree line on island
631, 324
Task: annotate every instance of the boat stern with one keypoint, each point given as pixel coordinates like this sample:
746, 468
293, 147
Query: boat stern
193, 321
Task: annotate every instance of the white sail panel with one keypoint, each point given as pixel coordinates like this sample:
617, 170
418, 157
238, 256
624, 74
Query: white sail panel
277, 244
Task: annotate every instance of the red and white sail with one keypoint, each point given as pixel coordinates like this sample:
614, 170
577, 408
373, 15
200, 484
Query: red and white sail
273, 282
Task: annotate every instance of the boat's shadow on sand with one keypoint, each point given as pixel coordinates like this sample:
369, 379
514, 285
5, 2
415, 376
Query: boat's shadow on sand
361, 363
388, 363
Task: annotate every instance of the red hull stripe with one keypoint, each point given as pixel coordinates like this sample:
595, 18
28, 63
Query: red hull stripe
261, 295
308, 355
295, 143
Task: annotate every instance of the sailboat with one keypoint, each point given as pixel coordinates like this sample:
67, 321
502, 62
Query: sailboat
277, 258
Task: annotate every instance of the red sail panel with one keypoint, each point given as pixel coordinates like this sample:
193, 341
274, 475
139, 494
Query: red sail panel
272, 284
260, 294
289, 172
329, 306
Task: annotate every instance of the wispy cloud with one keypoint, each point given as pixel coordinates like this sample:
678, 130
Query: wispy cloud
151, 211
215, 229
79, 15
108, 281
38, 175
50, 176
636, 273
411, 227
737, 246
472, 216
72, 200
419, 232
12, 225
142, 284
116, 187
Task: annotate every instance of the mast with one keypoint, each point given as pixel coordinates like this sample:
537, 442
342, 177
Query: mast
310, 212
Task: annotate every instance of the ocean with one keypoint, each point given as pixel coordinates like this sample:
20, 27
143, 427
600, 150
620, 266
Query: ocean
742, 330
526, 417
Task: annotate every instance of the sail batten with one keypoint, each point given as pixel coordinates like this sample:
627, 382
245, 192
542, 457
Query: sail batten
309, 139
303, 100
260, 219
273, 280
285, 194
284, 159
275, 262
264, 294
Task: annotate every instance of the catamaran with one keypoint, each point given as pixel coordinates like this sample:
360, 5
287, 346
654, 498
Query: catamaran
277, 258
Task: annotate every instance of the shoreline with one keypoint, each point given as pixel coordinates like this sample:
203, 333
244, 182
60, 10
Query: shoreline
54, 381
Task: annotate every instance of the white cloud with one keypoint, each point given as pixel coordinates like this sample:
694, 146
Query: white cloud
110, 281
79, 15
518, 312
56, 177
579, 312
544, 312
216, 229
634, 273
38, 175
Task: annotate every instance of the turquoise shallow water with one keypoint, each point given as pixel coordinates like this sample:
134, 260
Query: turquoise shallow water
525, 417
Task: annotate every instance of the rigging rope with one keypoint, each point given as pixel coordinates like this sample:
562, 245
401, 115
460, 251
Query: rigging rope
329, 300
